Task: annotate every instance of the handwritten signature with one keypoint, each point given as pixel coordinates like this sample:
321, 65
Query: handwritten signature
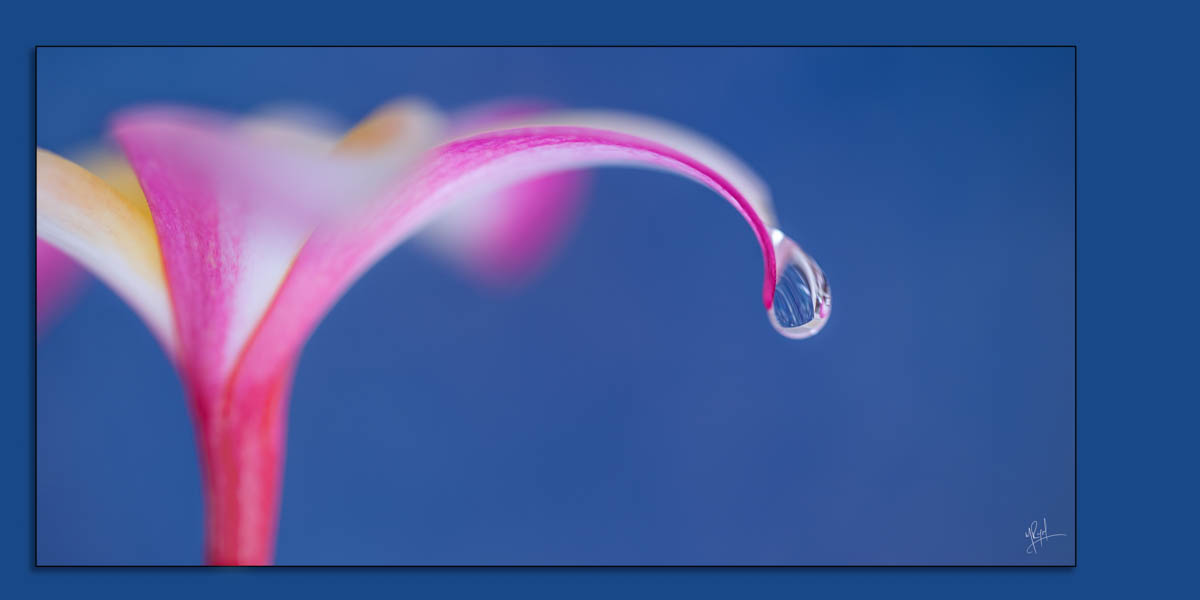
1038, 536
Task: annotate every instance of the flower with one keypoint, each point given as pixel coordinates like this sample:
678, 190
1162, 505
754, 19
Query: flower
249, 231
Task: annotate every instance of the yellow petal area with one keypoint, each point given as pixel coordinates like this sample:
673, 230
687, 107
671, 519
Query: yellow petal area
109, 232
395, 132
375, 132
389, 124
114, 170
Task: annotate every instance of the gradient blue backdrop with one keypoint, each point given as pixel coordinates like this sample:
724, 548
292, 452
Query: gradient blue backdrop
611, 412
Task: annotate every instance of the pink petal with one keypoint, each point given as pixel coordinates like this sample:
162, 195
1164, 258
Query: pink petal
232, 206
507, 235
58, 279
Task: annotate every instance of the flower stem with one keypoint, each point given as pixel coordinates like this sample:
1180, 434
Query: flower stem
241, 433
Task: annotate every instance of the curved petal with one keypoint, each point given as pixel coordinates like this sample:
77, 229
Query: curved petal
668, 135
505, 235
113, 236
57, 279
495, 159
339, 252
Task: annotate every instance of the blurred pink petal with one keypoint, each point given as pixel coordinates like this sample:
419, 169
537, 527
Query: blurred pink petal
502, 238
58, 280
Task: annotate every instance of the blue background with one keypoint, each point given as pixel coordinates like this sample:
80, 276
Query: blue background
611, 413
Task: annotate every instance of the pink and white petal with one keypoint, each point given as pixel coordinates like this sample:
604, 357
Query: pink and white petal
233, 202
58, 279
112, 236
232, 207
339, 252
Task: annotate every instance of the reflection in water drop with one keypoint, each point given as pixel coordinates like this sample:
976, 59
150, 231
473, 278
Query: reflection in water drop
793, 300
802, 301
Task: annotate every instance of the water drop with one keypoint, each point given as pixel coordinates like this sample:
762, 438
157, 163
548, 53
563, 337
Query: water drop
802, 301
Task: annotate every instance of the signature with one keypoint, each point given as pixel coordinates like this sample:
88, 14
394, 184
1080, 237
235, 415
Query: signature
1037, 534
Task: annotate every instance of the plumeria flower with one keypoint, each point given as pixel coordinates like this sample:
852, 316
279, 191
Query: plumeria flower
237, 236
